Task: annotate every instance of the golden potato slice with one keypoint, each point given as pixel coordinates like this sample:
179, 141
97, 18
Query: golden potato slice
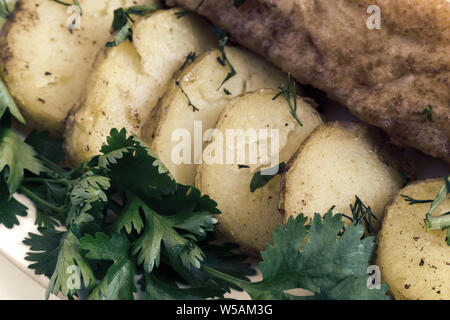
413, 261
45, 66
201, 84
339, 161
250, 218
130, 78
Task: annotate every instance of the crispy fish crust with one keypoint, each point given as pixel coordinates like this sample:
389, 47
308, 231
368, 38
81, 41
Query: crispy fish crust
386, 77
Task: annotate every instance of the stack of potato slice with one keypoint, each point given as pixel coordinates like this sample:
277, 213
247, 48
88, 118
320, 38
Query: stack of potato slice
129, 79
45, 65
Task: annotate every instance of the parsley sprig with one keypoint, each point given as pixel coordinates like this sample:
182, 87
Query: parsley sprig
158, 224
330, 264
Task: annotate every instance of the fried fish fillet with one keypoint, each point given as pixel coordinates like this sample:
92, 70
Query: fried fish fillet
396, 77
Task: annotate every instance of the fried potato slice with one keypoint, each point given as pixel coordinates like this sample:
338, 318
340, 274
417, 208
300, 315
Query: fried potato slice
249, 218
339, 161
413, 261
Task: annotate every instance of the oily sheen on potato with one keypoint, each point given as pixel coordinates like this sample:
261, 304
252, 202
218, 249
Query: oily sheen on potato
250, 218
414, 261
339, 161
45, 66
130, 78
201, 84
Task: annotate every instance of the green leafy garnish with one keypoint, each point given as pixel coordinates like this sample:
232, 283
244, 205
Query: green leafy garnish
159, 227
5, 12
413, 201
223, 37
16, 157
361, 214
331, 263
441, 222
118, 283
46, 148
260, 179
125, 217
10, 208
190, 58
70, 259
181, 14
123, 22
289, 93
189, 102
428, 112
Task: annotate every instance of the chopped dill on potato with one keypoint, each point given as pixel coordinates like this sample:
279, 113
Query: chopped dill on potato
289, 92
181, 14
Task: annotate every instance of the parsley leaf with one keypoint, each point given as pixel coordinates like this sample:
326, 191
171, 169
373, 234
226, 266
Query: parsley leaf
130, 218
331, 263
134, 167
87, 195
10, 208
44, 147
45, 248
158, 230
168, 227
159, 287
260, 179
118, 283
69, 256
17, 156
